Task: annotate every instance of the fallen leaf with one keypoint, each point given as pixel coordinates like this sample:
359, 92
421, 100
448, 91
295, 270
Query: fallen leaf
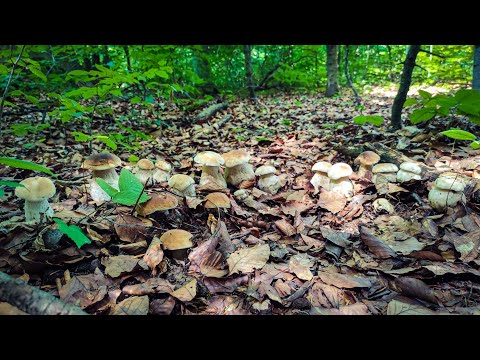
187, 292
211, 266
154, 255
285, 227
407, 246
317, 244
247, 259
130, 229
332, 201
300, 265
396, 307
225, 305
151, 286
162, 306
116, 266
225, 285
344, 280
416, 288
375, 245
136, 305
84, 290
354, 309
467, 245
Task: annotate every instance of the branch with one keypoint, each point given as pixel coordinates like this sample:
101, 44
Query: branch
431, 53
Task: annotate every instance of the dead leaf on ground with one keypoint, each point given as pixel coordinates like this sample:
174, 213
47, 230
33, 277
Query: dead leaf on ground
396, 307
375, 245
285, 227
332, 201
162, 306
300, 265
154, 255
247, 259
343, 280
415, 288
136, 305
358, 308
225, 285
116, 266
187, 292
151, 286
131, 229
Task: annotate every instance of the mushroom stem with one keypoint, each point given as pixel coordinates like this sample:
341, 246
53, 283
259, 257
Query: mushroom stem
161, 176
35, 209
209, 172
236, 174
363, 169
343, 186
110, 176
269, 183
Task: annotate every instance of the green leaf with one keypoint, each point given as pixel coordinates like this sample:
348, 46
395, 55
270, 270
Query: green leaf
37, 72
135, 100
79, 136
421, 115
32, 99
73, 232
410, 102
334, 125
130, 189
372, 119
133, 158
110, 190
110, 143
22, 164
11, 183
2, 193
475, 145
3, 69
424, 94
458, 134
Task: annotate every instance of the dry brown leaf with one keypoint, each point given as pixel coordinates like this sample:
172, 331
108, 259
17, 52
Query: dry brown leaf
212, 266
317, 244
300, 265
225, 305
358, 308
407, 246
116, 266
343, 280
247, 259
375, 245
193, 202
416, 288
154, 255
467, 245
283, 289
396, 307
203, 251
285, 227
187, 292
332, 201
162, 306
151, 286
136, 305
225, 285
84, 290
7, 309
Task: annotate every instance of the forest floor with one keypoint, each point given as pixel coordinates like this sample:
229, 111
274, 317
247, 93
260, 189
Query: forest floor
300, 251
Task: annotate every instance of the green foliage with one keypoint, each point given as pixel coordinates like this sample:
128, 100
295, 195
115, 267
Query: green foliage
371, 119
22, 129
422, 114
13, 184
73, 232
133, 158
458, 134
23, 164
81, 137
334, 125
130, 189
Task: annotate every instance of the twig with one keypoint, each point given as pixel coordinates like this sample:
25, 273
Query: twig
139, 196
431, 53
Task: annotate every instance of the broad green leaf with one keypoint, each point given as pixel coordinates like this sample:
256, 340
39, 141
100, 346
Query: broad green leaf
23, 164
73, 232
2, 193
372, 119
11, 183
111, 191
37, 72
133, 158
3, 69
129, 197
421, 115
111, 144
130, 189
79, 136
135, 99
410, 102
32, 99
458, 134
475, 144
424, 94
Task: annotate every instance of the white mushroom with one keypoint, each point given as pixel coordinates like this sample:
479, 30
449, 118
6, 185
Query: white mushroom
237, 168
447, 192
382, 204
162, 173
182, 185
339, 179
384, 173
409, 171
320, 178
366, 160
103, 167
268, 181
36, 193
211, 162
144, 171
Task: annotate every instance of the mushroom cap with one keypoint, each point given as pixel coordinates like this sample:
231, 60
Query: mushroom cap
385, 168
235, 157
209, 158
163, 165
265, 170
176, 239
411, 167
217, 200
180, 181
36, 189
450, 182
367, 158
158, 202
339, 170
322, 166
101, 161
145, 164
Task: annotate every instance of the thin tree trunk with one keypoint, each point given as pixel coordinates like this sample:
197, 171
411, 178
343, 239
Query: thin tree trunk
405, 81
126, 50
332, 70
476, 68
247, 51
347, 74
366, 63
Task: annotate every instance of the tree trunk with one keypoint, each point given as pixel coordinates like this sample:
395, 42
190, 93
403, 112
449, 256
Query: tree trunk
247, 51
126, 50
405, 81
332, 70
476, 68
347, 74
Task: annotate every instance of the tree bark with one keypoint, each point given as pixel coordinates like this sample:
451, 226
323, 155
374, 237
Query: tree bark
347, 74
126, 50
332, 70
33, 300
247, 51
405, 81
476, 68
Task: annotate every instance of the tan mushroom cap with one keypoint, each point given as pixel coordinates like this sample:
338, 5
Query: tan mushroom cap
265, 170
367, 158
411, 167
158, 202
322, 166
36, 189
339, 170
209, 158
180, 181
217, 200
450, 181
101, 161
385, 168
235, 157
145, 164
163, 165
176, 239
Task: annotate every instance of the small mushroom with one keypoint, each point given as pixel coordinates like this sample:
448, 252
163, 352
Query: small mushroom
144, 171
158, 202
384, 173
366, 160
237, 168
36, 193
409, 171
182, 185
241, 194
447, 192
177, 241
268, 181
217, 200
320, 178
103, 167
339, 179
211, 162
382, 204
162, 173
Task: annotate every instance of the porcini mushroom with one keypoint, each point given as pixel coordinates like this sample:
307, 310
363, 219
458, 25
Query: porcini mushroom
163, 171
182, 185
447, 191
339, 179
237, 168
177, 241
102, 166
320, 178
36, 193
366, 160
384, 173
409, 171
382, 204
217, 200
158, 202
211, 162
268, 181
144, 171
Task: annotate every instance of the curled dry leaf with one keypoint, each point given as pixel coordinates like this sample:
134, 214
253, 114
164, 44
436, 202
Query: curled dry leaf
203, 251
225, 285
187, 292
211, 266
84, 290
225, 305
154, 255
136, 305
162, 306
467, 245
315, 243
151, 286
415, 288
332, 201
116, 266
247, 259
285, 227
375, 245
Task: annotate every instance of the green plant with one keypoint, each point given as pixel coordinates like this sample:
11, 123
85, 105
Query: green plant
458, 134
23, 164
4, 183
81, 137
130, 189
73, 232
371, 119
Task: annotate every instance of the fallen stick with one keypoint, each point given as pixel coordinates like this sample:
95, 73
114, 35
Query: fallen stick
32, 300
